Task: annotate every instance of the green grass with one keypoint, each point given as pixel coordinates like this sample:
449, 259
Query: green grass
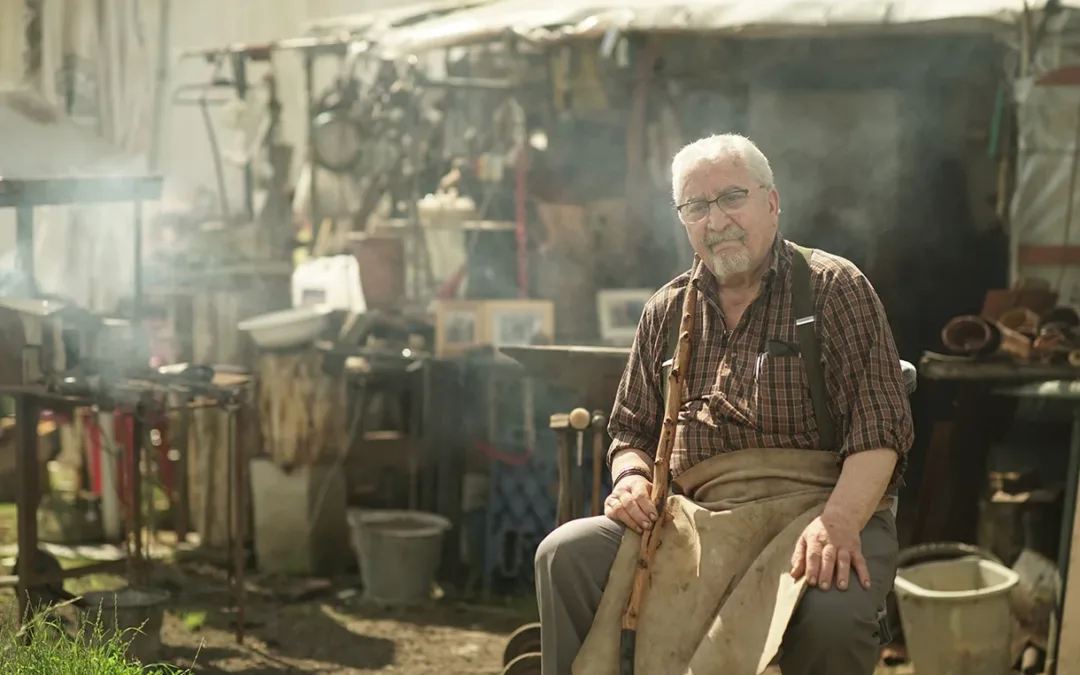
47, 649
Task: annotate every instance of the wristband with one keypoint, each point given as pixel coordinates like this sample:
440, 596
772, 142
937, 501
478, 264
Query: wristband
631, 471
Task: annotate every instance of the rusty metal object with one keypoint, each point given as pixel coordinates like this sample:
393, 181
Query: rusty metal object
1012, 342
975, 335
968, 335
1062, 317
1049, 344
526, 664
524, 640
1020, 319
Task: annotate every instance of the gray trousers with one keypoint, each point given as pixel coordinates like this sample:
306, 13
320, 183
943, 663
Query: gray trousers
832, 632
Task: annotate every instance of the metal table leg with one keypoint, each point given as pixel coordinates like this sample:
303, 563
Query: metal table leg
29, 494
1065, 538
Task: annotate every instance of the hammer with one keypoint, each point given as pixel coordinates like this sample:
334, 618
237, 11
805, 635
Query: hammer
579, 422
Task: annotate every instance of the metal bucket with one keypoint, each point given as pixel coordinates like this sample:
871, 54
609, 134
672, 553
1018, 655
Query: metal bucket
128, 615
399, 553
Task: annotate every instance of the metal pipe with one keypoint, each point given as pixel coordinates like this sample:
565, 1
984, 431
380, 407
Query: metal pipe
162, 71
968, 334
24, 245
137, 292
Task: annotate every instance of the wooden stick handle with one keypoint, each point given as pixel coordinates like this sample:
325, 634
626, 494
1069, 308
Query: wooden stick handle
661, 466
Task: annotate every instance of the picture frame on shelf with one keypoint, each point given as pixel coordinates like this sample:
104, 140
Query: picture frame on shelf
512, 323
619, 311
457, 326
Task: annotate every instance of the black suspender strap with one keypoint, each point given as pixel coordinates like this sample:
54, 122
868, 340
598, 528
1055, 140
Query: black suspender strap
802, 304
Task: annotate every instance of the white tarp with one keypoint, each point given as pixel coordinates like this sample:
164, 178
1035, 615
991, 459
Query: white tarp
85, 252
555, 19
12, 41
1046, 203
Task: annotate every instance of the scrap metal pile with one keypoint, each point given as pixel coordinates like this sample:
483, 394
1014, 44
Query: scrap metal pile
1025, 324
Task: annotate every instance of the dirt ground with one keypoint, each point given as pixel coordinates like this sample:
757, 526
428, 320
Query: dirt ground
296, 628
317, 627
311, 626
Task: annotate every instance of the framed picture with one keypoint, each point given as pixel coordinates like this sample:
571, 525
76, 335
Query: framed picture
457, 326
510, 323
620, 312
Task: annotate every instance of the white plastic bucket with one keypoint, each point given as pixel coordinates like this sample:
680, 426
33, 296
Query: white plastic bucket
399, 553
956, 616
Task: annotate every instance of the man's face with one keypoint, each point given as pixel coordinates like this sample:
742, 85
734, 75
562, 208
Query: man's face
734, 233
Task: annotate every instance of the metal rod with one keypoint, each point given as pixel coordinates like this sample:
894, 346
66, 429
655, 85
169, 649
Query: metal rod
313, 192
1065, 537
137, 293
237, 515
24, 244
135, 496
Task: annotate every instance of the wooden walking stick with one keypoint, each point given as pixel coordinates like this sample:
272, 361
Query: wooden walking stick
651, 538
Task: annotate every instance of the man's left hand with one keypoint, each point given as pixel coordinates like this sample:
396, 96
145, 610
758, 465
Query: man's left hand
829, 547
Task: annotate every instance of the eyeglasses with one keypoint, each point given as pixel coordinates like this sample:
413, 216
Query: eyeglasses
696, 210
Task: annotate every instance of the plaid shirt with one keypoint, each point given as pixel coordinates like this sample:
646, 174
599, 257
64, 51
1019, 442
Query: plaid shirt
728, 406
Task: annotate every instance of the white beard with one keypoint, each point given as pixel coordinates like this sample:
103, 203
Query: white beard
728, 263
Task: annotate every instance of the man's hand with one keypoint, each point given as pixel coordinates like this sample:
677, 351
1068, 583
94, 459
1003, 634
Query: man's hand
829, 546
631, 505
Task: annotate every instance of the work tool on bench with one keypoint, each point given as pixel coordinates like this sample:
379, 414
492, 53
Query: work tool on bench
593, 374
579, 422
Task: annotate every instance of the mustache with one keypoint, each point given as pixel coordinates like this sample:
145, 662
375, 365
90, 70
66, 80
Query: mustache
729, 233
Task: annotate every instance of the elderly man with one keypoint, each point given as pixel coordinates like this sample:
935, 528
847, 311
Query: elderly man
742, 391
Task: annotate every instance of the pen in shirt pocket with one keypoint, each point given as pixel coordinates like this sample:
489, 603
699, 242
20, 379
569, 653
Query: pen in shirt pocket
774, 348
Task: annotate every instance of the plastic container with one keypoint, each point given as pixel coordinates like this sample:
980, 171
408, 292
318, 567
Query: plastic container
333, 281
399, 553
956, 616
135, 615
288, 327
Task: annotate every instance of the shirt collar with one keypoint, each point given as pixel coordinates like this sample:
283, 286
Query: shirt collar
780, 260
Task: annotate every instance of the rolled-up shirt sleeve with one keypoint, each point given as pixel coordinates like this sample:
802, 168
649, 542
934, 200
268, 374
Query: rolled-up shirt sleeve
867, 385
636, 416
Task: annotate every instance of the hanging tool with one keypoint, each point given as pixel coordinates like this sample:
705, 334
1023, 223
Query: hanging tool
599, 422
579, 422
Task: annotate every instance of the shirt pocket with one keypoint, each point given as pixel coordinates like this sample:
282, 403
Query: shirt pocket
782, 402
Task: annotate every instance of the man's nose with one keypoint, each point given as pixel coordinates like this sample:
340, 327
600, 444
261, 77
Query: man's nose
718, 218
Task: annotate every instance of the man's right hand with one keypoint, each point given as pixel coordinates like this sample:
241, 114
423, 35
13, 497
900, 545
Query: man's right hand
630, 504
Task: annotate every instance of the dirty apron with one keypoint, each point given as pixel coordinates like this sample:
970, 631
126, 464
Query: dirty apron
721, 594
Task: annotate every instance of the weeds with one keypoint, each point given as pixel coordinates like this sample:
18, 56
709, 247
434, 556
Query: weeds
45, 647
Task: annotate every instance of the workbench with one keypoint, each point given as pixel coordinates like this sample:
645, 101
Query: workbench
981, 382
29, 404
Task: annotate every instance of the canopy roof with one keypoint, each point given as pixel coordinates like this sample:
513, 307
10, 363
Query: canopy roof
553, 20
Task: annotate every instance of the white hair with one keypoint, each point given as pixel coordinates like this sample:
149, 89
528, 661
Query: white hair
713, 150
